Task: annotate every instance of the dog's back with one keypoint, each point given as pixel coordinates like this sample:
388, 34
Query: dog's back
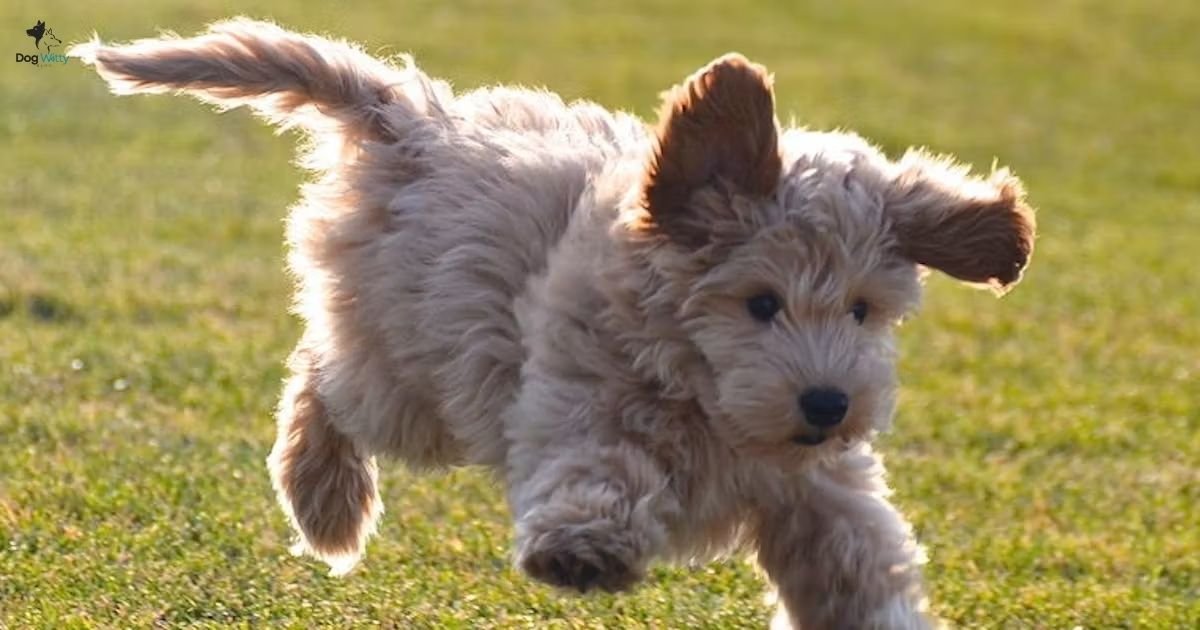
469, 210
428, 218
430, 215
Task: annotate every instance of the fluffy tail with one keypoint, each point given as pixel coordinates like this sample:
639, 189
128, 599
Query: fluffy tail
289, 78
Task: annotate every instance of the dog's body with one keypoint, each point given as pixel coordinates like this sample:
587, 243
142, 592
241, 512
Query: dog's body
669, 343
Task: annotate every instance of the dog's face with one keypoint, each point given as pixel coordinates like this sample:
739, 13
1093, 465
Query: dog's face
796, 322
794, 256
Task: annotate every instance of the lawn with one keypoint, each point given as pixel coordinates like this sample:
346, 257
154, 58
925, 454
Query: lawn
1047, 446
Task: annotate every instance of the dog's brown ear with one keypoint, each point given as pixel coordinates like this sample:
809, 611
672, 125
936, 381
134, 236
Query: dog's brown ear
977, 230
716, 131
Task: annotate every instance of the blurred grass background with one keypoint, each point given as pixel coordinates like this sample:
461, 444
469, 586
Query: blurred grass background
1047, 446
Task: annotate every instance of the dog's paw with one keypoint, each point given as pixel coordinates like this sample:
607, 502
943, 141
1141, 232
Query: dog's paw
581, 559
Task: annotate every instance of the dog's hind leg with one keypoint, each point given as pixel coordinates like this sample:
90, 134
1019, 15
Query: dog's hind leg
326, 484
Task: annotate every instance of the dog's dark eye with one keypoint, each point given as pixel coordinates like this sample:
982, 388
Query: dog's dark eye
859, 311
763, 307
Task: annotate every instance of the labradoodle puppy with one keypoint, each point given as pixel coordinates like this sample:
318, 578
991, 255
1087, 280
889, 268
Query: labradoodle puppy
669, 341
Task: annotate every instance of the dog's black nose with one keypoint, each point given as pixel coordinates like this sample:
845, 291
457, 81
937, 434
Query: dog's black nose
824, 407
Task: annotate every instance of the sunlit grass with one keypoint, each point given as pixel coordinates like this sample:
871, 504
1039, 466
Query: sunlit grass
1047, 446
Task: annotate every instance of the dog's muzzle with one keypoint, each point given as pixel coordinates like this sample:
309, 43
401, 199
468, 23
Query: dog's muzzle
823, 409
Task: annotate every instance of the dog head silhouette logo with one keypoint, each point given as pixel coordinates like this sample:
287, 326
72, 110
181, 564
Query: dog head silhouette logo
40, 32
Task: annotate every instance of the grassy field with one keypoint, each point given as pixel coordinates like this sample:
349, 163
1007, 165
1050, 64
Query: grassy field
1047, 446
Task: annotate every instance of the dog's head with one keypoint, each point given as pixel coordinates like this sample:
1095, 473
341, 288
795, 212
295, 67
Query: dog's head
36, 32
51, 39
790, 257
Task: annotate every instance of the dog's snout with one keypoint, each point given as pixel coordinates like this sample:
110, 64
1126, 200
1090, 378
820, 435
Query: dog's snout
824, 407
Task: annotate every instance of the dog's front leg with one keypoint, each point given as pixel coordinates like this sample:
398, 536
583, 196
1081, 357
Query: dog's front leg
842, 556
589, 516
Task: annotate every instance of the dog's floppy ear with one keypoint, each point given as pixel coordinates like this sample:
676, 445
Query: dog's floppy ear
977, 230
716, 131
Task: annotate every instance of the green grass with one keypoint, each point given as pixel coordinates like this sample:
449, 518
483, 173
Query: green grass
1047, 446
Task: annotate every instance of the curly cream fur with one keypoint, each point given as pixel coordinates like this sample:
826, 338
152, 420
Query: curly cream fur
558, 292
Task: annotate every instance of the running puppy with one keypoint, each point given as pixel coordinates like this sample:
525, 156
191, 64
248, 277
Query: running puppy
670, 341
